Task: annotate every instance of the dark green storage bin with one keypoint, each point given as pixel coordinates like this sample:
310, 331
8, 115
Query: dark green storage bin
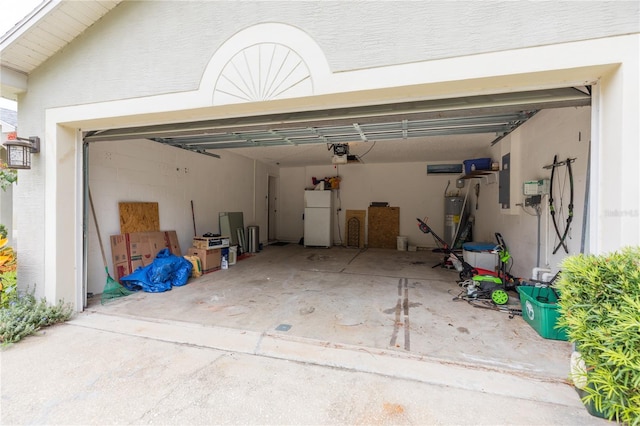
591, 408
540, 310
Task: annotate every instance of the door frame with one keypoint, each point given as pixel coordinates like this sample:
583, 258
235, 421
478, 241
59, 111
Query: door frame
272, 208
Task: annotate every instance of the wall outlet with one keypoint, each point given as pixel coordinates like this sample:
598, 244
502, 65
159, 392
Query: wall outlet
534, 200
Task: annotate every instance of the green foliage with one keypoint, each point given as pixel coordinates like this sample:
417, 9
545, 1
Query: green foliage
8, 288
25, 315
7, 176
600, 307
3, 231
8, 279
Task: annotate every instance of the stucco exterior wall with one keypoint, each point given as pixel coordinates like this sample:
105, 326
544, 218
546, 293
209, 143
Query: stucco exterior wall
143, 48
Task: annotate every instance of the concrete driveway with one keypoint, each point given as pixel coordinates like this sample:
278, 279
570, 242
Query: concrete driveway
215, 352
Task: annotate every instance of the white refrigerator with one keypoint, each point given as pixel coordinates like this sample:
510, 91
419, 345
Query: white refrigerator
318, 219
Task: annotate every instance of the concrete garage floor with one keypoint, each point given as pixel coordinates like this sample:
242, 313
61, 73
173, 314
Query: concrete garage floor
371, 301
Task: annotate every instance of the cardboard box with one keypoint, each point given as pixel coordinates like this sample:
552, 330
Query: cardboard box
210, 242
120, 254
210, 259
139, 249
173, 243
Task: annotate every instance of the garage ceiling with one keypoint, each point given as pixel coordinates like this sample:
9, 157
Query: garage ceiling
435, 130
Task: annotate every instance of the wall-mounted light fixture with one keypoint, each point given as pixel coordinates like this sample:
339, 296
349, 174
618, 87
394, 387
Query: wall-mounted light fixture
19, 150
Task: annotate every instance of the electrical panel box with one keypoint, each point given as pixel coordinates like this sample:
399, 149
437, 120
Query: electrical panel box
536, 187
504, 185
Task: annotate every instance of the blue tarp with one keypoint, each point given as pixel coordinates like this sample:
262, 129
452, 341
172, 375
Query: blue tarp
166, 271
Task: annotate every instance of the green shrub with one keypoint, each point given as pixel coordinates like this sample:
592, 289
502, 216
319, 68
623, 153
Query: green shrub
25, 315
600, 307
7, 176
8, 288
8, 266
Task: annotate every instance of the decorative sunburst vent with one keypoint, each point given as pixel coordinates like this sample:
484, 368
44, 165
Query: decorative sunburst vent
262, 72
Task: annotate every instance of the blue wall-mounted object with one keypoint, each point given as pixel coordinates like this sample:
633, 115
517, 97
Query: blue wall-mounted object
444, 169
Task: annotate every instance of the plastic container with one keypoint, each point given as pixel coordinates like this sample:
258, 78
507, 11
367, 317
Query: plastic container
476, 164
478, 246
224, 258
481, 259
403, 243
233, 255
539, 309
480, 255
589, 405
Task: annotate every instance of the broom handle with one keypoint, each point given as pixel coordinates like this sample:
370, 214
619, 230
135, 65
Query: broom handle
193, 216
93, 213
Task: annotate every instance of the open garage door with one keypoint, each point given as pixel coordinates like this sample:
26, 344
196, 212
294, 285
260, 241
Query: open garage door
469, 121
294, 146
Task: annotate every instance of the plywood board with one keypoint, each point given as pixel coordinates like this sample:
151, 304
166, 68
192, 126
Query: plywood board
139, 217
383, 227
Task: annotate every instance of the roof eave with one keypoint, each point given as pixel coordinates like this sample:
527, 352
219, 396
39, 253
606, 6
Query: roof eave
35, 16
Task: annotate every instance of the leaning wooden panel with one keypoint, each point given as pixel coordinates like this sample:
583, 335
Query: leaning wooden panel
139, 217
354, 228
383, 227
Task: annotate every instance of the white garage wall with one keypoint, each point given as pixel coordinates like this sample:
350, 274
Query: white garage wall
565, 132
403, 185
145, 171
291, 203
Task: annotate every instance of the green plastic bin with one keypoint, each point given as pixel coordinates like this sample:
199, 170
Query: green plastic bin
590, 406
540, 310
